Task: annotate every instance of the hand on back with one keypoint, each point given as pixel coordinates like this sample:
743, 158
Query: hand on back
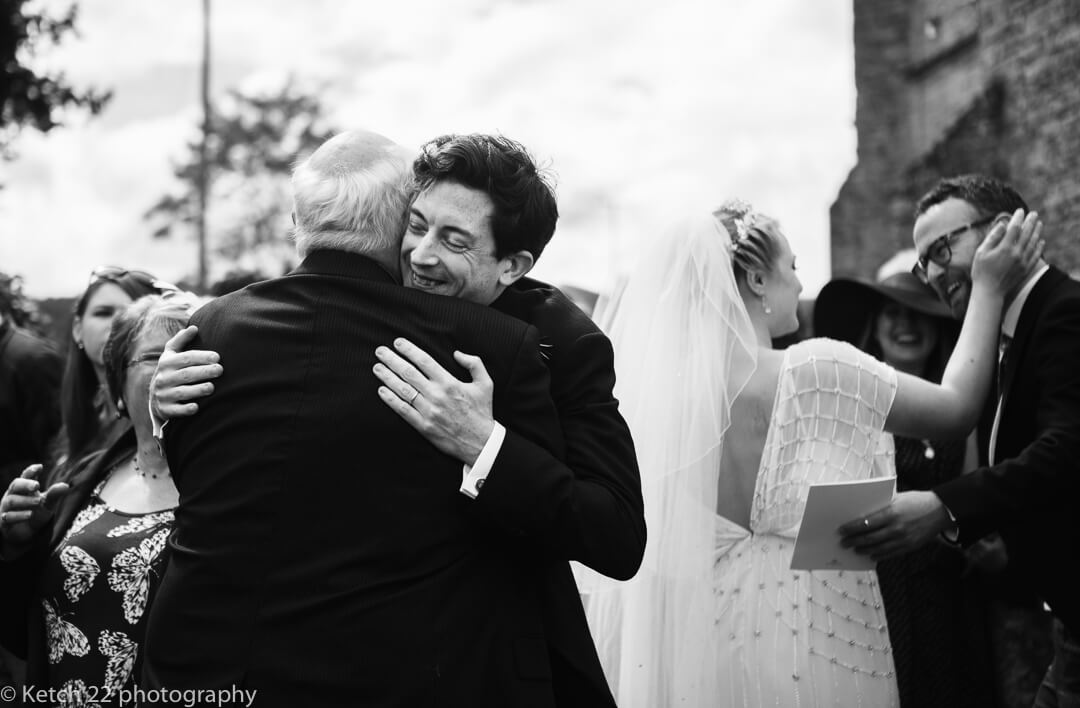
454, 416
182, 376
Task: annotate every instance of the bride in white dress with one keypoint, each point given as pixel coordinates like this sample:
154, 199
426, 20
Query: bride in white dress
730, 435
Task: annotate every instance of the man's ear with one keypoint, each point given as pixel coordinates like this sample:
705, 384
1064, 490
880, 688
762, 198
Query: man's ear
755, 280
982, 233
515, 266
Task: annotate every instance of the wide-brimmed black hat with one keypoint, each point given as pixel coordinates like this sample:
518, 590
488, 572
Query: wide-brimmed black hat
844, 305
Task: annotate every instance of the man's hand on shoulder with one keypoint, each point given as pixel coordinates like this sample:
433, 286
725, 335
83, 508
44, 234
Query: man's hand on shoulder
454, 416
181, 377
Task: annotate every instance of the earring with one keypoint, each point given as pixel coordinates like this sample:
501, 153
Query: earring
80, 345
765, 306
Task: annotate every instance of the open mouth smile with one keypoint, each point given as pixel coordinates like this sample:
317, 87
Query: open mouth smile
422, 282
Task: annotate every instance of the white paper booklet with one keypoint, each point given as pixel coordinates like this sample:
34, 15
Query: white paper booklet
829, 506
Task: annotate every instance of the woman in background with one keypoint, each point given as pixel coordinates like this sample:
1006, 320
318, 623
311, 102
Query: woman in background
90, 420
83, 558
936, 610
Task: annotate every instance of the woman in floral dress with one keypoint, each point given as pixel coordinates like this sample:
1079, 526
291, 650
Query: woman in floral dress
83, 558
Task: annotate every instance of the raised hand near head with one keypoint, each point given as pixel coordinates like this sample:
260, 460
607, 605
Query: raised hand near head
1009, 252
182, 376
24, 509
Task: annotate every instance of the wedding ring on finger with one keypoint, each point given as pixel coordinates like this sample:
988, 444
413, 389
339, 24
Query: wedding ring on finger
412, 398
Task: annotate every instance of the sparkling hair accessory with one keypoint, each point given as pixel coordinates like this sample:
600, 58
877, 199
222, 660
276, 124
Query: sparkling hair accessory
742, 216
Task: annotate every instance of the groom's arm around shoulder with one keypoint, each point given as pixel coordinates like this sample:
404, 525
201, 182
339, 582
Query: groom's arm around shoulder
586, 506
1031, 482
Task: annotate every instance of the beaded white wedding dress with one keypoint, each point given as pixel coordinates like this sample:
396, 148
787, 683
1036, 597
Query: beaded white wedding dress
796, 638
715, 617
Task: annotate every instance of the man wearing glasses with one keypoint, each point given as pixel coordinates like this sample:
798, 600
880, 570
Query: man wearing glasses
1028, 491
939, 253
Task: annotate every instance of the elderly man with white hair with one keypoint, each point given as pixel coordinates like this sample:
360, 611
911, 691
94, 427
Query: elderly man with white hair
322, 553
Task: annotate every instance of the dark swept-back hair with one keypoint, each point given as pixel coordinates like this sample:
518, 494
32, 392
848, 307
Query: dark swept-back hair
150, 313
81, 418
988, 195
524, 198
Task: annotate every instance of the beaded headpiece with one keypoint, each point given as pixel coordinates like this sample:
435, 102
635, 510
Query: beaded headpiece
742, 216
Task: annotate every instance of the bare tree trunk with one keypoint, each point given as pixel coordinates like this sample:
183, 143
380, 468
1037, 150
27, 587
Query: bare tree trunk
204, 168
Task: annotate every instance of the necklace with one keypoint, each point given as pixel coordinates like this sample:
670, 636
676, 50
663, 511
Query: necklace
139, 470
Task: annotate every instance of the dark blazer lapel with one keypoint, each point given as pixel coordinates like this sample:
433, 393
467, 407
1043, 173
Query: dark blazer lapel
1024, 327
520, 299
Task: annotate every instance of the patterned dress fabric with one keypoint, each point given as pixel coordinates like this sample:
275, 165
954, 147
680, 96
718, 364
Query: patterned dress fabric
95, 590
796, 638
937, 613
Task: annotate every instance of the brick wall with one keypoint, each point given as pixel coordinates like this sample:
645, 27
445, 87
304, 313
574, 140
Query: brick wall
999, 95
859, 217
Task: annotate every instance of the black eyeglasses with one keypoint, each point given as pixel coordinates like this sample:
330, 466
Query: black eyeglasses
115, 273
940, 251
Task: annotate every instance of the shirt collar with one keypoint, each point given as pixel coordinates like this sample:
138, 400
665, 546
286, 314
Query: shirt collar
1012, 314
345, 263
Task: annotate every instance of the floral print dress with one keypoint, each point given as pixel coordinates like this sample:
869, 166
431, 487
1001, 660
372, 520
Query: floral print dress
95, 592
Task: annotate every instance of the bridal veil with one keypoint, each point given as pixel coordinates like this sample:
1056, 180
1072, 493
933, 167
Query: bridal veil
684, 349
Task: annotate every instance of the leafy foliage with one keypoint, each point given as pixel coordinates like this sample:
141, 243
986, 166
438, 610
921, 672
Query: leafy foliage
29, 98
254, 141
15, 307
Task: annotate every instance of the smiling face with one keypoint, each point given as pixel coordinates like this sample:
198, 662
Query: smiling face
951, 282
449, 246
92, 327
906, 337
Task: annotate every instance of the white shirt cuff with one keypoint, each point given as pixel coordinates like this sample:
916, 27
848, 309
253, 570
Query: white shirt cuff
158, 428
952, 535
473, 477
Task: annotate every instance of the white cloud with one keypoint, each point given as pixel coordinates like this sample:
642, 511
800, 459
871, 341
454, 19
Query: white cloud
639, 107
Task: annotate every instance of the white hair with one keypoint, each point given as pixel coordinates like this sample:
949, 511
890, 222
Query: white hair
362, 209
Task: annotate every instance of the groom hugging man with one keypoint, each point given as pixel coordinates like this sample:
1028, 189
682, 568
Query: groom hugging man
326, 553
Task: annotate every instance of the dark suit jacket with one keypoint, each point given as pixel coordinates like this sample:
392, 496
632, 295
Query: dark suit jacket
323, 554
22, 625
593, 511
1030, 494
30, 372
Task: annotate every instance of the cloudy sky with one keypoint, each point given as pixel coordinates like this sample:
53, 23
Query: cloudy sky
638, 108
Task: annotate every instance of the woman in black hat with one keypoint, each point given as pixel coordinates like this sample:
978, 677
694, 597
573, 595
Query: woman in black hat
896, 318
936, 614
